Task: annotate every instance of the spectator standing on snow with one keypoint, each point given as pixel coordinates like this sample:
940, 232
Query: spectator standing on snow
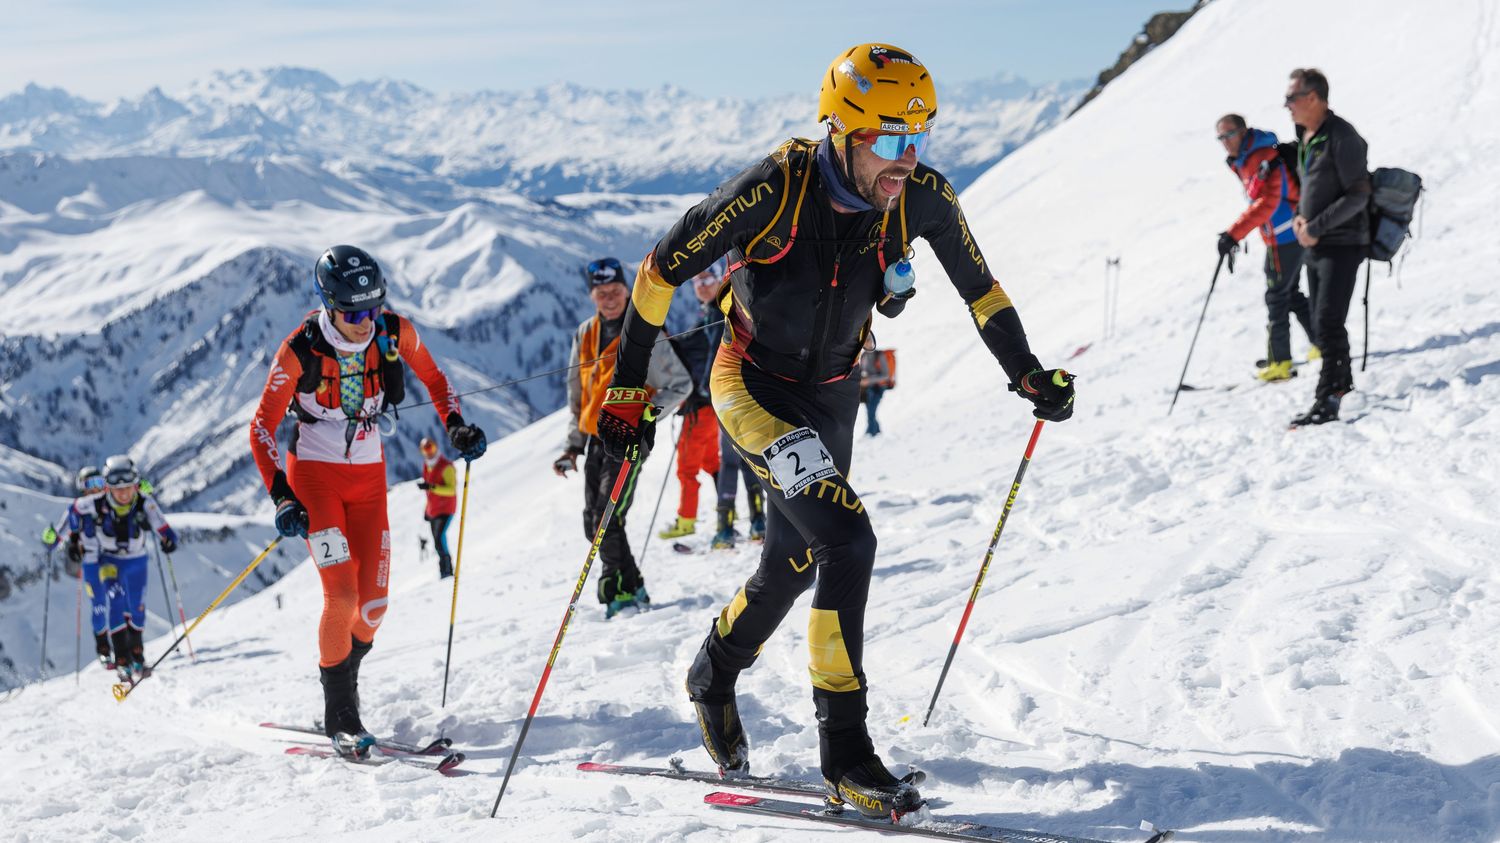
874, 380
1272, 193
440, 482
1332, 223
596, 344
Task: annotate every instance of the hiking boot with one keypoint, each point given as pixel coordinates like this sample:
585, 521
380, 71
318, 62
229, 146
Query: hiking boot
1324, 410
1281, 370
874, 792
681, 527
712, 695
445, 567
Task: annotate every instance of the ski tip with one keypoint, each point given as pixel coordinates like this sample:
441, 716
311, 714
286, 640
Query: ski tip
1158, 835
731, 799
595, 767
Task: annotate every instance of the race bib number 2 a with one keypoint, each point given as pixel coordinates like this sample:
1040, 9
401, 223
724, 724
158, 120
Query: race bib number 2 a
798, 460
329, 547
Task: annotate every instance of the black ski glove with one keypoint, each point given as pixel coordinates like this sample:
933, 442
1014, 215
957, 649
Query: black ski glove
291, 515
467, 439
424, 485
1227, 244
168, 544
1051, 390
627, 421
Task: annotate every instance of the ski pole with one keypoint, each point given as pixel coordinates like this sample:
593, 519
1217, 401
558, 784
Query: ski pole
122, 691
659, 495
181, 615
46, 610
166, 596
1201, 316
458, 561
632, 458
78, 631
984, 568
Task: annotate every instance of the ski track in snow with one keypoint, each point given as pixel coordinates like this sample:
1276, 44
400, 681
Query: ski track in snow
1202, 619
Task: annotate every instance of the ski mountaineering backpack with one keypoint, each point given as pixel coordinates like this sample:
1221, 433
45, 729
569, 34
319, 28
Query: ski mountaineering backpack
387, 340
1393, 202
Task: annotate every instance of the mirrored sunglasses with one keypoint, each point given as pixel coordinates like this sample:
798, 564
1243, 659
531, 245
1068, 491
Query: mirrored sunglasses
354, 317
893, 147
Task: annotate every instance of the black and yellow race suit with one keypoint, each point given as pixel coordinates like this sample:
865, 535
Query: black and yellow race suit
804, 285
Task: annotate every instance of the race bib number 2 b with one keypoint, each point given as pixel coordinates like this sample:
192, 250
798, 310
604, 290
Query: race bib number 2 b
798, 460
329, 547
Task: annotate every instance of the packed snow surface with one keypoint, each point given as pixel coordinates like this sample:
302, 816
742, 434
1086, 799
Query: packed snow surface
1202, 619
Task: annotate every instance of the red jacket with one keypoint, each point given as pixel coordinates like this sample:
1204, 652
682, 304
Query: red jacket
442, 487
1263, 189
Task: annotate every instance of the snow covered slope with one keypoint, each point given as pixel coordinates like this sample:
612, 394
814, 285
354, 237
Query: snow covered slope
545, 142
1201, 619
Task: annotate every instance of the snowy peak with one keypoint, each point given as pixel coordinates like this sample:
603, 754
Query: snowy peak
576, 138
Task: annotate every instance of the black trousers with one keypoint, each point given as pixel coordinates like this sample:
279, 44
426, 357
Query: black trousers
1332, 273
618, 574
820, 536
439, 525
1284, 299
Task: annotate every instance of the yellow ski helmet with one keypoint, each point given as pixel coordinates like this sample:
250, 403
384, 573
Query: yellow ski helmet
877, 87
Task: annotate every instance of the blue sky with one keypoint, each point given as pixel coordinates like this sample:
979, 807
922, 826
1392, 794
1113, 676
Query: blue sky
105, 48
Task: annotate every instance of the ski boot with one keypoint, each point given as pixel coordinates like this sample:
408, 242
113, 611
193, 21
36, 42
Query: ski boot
341, 712
105, 652
757, 514
357, 651
713, 700
138, 671
1314, 353
1323, 411
681, 527
874, 792
638, 598
1280, 370
725, 538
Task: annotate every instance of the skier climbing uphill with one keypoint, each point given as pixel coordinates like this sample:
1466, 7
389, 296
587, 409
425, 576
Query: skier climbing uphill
817, 234
337, 372
116, 527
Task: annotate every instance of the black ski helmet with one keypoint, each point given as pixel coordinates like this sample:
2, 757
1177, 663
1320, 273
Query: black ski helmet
348, 279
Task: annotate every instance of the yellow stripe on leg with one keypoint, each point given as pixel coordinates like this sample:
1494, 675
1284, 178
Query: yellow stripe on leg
830, 667
732, 612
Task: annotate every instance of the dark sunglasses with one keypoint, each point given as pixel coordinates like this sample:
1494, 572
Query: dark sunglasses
1291, 98
1227, 135
354, 317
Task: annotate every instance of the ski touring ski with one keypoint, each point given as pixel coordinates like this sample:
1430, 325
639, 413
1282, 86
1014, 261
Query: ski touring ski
677, 772
447, 765
439, 746
921, 826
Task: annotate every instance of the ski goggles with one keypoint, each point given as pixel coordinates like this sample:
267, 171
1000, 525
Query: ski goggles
892, 147
94, 483
605, 271
354, 317
119, 479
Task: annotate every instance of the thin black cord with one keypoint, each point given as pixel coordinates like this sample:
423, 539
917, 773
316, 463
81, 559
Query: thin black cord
556, 371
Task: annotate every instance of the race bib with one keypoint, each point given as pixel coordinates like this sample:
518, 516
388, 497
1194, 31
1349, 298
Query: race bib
798, 460
329, 547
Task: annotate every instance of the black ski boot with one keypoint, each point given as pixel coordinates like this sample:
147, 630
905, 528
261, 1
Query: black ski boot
357, 651
1324, 410
712, 695
105, 652
852, 773
341, 712
874, 792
